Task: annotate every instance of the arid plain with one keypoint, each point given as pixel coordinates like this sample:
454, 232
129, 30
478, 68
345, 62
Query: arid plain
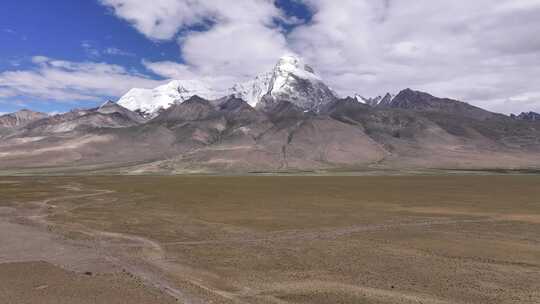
270, 239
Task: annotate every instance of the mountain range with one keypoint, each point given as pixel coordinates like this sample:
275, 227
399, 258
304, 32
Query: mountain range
284, 120
291, 79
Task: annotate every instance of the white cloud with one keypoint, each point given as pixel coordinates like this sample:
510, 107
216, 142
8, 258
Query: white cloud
159, 19
486, 52
117, 52
483, 51
169, 69
40, 59
479, 51
173, 70
505, 6
67, 81
243, 50
241, 39
162, 19
90, 49
95, 52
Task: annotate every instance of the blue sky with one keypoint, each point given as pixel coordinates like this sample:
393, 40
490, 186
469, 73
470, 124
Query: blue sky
59, 28
59, 54
82, 31
75, 31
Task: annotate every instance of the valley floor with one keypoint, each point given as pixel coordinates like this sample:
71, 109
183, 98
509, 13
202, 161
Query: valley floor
270, 239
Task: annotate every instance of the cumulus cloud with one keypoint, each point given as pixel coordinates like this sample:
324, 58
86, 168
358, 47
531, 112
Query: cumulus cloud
178, 71
224, 55
237, 41
243, 54
485, 51
160, 19
68, 81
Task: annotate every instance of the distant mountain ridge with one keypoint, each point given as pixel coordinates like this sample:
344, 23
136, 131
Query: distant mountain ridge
530, 116
375, 101
20, 118
108, 115
10, 123
286, 120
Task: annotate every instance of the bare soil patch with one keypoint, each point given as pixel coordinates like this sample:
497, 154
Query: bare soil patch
40, 282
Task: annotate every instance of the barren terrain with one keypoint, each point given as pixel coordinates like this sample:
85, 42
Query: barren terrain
270, 239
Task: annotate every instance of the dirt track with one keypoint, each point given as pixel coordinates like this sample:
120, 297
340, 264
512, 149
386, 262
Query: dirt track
37, 266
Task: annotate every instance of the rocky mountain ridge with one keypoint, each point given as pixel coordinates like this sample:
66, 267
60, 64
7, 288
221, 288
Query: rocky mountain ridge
20, 118
414, 130
285, 120
530, 116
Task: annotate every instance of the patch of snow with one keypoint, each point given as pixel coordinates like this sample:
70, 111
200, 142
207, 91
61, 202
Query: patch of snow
291, 80
254, 90
151, 101
375, 101
287, 67
360, 98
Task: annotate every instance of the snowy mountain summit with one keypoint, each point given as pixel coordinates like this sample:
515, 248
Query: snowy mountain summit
150, 102
291, 80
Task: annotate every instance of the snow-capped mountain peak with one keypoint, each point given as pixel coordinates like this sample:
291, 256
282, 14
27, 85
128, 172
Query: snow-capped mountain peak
291, 80
150, 101
252, 91
292, 66
295, 81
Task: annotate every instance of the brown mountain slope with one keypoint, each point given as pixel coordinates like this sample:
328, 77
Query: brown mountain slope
9, 123
199, 136
20, 118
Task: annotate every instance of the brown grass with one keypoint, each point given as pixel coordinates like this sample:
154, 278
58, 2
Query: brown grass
253, 239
